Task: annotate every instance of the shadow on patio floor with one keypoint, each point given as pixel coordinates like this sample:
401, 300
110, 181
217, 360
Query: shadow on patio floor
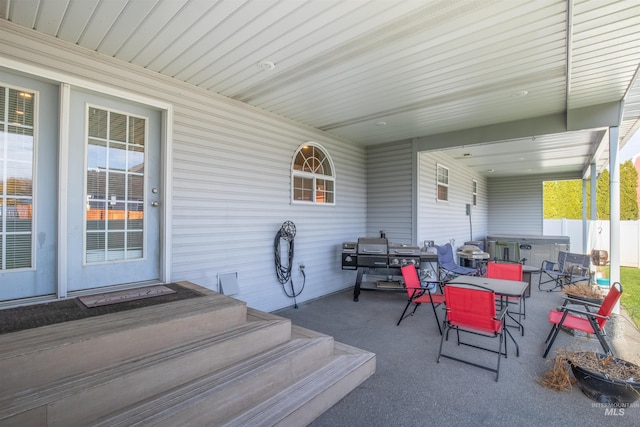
410, 389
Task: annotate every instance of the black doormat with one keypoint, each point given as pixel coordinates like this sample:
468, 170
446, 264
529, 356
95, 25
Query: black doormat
33, 316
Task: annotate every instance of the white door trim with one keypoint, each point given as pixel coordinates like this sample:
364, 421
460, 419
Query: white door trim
63, 195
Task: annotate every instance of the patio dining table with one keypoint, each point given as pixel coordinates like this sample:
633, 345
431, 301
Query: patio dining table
501, 287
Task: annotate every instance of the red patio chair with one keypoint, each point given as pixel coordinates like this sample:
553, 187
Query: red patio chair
509, 271
472, 309
584, 320
419, 295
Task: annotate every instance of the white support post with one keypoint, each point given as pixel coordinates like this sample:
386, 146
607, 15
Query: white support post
585, 224
614, 209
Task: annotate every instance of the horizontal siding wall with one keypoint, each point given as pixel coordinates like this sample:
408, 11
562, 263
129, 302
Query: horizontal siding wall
231, 179
516, 205
389, 191
445, 221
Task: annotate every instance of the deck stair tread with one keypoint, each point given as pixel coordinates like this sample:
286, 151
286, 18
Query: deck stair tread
208, 360
246, 380
281, 408
191, 359
60, 334
41, 355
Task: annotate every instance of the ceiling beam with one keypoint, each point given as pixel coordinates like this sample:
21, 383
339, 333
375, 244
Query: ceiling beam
595, 116
592, 117
554, 123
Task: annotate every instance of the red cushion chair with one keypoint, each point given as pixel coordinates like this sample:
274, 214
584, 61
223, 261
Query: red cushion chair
419, 295
509, 271
584, 320
472, 309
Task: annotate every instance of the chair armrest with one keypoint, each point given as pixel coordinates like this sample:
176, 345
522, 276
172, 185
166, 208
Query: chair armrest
579, 272
586, 313
416, 291
501, 313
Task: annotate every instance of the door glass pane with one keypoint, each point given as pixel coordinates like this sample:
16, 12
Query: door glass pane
16, 178
115, 186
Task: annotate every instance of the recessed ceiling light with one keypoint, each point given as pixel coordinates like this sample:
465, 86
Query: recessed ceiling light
266, 65
381, 123
520, 93
491, 170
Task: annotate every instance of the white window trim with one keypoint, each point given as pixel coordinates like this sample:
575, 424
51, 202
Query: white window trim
438, 183
474, 192
303, 174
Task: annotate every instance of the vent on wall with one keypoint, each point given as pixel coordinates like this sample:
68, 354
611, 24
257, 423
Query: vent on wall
228, 284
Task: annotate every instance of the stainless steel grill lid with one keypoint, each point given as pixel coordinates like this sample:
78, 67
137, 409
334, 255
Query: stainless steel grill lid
372, 246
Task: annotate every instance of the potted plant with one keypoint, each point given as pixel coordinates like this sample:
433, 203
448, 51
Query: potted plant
584, 292
603, 378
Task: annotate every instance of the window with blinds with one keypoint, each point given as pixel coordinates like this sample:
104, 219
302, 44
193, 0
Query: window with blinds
115, 186
17, 119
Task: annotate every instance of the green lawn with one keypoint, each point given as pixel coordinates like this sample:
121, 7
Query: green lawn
630, 300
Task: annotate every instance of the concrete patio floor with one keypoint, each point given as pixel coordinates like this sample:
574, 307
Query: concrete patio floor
410, 389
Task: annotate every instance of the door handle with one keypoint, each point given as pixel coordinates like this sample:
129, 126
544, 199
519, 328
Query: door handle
155, 204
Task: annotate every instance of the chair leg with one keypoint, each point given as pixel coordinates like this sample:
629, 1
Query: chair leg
604, 344
515, 342
600, 335
405, 310
444, 336
435, 313
500, 353
552, 334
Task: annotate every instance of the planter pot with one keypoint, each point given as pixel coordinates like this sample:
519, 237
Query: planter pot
602, 389
591, 300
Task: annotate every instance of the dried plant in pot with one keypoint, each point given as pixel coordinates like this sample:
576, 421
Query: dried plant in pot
584, 292
603, 378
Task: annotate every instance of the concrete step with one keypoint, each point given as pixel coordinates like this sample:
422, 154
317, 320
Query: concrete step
39, 356
224, 394
80, 399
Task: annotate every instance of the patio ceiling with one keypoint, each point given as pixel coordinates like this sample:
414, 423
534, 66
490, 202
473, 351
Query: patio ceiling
519, 86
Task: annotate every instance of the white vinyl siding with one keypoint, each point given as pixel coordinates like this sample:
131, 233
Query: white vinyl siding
231, 179
516, 205
389, 191
443, 222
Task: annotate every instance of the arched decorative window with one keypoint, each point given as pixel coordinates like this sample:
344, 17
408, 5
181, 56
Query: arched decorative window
312, 175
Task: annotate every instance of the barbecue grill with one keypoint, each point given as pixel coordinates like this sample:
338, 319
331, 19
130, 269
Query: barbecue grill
378, 253
382, 257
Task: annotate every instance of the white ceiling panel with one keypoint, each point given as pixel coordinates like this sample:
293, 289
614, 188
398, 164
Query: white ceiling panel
423, 67
77, 18
50, 15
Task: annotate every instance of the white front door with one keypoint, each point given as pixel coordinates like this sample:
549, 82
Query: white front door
113, 192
